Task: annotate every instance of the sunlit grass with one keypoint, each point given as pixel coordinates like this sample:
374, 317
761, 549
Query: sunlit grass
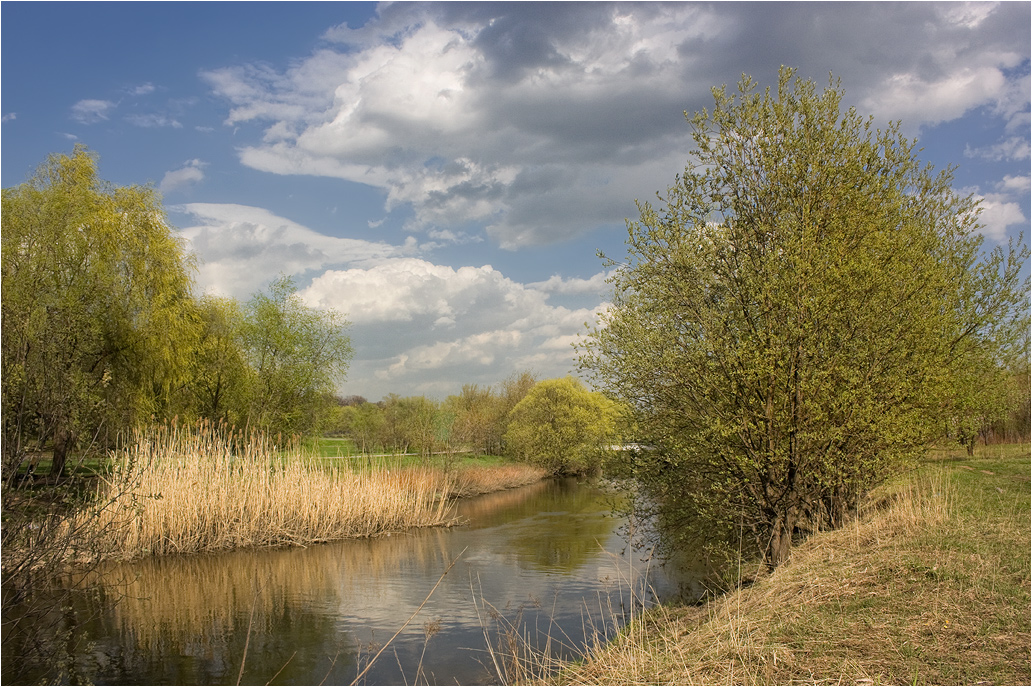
930, 585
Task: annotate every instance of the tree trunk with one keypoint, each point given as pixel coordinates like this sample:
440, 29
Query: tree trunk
63, 441
781, 540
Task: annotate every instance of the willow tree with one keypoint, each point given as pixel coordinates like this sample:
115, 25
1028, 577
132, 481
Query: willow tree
790, 318
98, 316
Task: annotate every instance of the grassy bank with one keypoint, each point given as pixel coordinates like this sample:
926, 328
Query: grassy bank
179, 491
930, 585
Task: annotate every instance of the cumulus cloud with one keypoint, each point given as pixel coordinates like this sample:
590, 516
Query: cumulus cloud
1001, 208
998, 213
242, 247
1014, 184
9, 117
594, 285
416, 321
143, 89
545, 121
190, 173
92, 111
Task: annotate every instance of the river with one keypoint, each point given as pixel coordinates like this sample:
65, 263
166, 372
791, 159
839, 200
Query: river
549, 559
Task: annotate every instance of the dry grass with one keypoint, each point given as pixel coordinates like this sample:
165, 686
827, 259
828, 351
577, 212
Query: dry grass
184, 491
474, 480
929, 586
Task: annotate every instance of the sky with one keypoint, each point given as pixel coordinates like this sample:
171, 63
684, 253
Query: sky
446, 174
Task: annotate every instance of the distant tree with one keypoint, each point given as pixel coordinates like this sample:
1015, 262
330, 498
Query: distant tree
362, 423
790, 326
298, 355
474, 416
98, 315
511, 391
562, 426
410, 424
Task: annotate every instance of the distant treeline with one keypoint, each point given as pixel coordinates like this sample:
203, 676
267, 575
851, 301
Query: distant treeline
556, 423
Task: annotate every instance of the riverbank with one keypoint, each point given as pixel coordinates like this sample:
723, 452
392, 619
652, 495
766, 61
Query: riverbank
930, 585
179, 490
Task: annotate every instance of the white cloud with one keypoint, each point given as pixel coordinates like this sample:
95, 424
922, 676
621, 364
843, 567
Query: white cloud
190, 173
594, 285
415, 321
1014, 184
9, 117
143, 89
1013, 148
152, 121
919, 100
242, 248
998, 213
92, 111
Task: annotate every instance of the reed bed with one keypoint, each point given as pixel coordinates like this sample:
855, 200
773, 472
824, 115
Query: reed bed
474, 480
185, 490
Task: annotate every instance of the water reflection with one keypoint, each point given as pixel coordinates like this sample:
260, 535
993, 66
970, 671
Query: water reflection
317, 614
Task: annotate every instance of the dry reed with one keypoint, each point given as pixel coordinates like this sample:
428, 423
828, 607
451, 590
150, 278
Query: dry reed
187, 490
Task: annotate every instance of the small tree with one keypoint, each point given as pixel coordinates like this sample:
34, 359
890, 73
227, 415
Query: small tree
788, 328
562, 426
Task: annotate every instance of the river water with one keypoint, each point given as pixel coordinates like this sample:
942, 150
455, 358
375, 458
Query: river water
549, 559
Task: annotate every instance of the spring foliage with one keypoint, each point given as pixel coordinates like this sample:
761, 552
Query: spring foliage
789, 322
102, 330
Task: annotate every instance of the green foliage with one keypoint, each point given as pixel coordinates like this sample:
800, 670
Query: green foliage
790, 325
477, 414
474, 420
297, 354
98, 316
220, 375
562, 426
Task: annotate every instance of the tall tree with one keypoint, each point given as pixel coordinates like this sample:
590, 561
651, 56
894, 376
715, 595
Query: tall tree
475, 414
98, 315
788, 325
298, 355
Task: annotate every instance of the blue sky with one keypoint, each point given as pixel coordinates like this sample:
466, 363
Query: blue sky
445, 173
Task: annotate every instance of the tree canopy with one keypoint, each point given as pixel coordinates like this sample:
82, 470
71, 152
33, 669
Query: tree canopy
792, 319
102, 331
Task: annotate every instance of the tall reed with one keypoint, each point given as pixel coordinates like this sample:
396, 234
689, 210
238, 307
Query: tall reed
205, 488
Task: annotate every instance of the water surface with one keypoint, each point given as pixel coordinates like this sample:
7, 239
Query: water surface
549, 558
